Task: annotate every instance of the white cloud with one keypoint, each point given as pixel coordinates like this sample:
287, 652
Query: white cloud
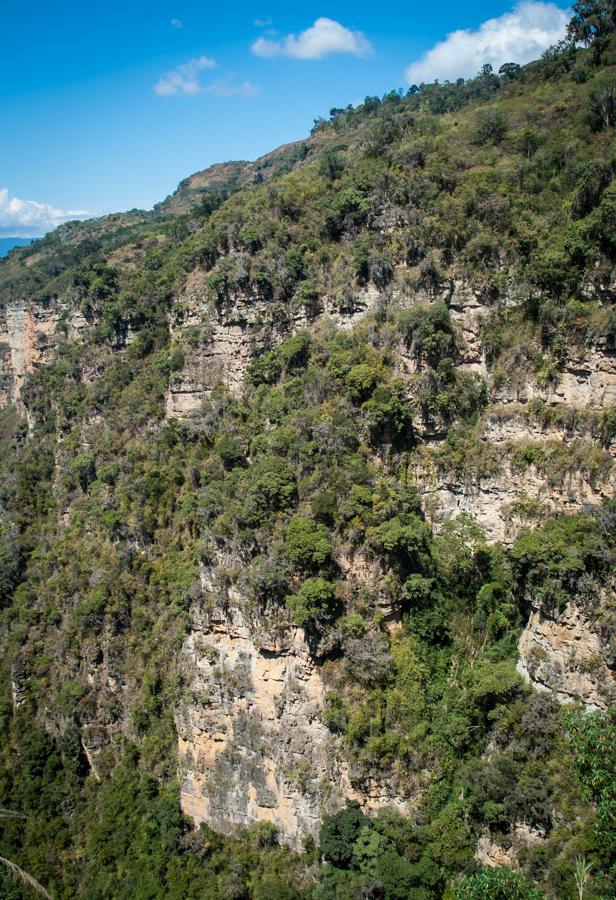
263, 23
517, 36
223, 88
176, 23
323, 38
29, 218
184, 79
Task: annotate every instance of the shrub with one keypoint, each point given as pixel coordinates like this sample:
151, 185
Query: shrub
9, 561
551, 561
294, 352
314, 604
271, 487
361, 380
406, 537
307, 544
347, 211
496, 884
593, 738
389, 419
490, 127
266, 369
82, 467
230, 451
368, 658
428, 332
324, 506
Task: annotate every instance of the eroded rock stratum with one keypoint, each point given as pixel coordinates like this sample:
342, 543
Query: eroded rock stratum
253, 745
570, 654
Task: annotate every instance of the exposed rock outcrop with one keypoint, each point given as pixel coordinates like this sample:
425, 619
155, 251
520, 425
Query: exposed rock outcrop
225, 337
504, 852
566, 654
27, 332
497, 502
253, 745
30, 330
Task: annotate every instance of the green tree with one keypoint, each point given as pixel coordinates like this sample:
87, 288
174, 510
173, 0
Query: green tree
490, 126
314, 604
592, 22
307, 544
339, 833
510, 71
9, 561
271, 487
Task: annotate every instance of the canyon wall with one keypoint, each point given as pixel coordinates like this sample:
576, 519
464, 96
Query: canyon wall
253, 742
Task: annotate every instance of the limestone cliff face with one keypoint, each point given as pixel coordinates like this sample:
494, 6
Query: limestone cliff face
497, 502
27, 335
568, 653
252, 742
253, 745
588, 380
505, 495
220, 339
489, 852
224, 338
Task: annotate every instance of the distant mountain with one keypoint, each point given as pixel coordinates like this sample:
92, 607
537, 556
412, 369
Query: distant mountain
7, 243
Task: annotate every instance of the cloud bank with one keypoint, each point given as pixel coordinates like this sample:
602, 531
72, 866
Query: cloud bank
29, 218
324, 38
517, 36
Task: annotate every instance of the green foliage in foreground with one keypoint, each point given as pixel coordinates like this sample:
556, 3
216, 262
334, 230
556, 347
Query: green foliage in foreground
496, 884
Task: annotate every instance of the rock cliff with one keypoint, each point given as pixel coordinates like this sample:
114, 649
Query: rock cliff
571, 654
27, 337
252, 740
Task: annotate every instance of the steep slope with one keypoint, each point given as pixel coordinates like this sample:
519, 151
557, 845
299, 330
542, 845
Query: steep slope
307, 512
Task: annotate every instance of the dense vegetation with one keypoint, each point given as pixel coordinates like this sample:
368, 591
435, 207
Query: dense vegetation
107, 509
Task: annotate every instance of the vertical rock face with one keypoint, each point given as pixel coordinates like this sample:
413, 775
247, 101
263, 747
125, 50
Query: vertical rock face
253, 746
492, 501
565, 654
223, 338
489, 852
252, 742
27, 334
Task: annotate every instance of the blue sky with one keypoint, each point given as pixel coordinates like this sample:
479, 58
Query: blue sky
107, 106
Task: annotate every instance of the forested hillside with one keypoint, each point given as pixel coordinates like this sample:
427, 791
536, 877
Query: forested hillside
307, 512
